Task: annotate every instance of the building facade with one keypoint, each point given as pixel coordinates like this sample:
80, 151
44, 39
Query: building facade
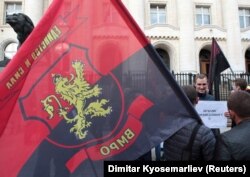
180, 30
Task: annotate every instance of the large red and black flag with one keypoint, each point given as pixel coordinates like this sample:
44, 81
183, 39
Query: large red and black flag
218, 63
86, 86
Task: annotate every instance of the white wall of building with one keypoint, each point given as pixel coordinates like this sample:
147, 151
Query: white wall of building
183, 40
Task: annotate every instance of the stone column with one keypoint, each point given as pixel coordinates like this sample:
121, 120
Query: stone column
234, 54
34, 9
187, 60
137, 10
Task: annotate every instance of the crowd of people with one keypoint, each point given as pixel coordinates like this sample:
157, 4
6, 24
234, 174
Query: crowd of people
196, 141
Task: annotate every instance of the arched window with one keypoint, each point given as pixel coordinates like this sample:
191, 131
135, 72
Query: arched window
164, 55
10, 50
247, 58
204, 60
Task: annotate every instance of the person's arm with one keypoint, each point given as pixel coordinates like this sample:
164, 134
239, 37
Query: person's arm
208, 141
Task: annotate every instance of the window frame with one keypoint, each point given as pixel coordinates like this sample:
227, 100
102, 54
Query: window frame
161, 12
203, 14
244, 16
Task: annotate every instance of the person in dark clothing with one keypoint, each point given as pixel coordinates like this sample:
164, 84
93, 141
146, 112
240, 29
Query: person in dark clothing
201, 86
204, 140
238, 84
234, 144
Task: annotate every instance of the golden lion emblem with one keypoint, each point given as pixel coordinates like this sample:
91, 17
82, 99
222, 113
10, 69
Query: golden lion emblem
75, 92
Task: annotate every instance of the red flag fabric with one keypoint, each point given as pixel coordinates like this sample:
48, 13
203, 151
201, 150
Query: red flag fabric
86, 86
218, 63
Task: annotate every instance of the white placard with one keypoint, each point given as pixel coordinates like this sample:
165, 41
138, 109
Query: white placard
212, 113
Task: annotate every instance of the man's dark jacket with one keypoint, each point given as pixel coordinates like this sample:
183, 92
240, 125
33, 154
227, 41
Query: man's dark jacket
235, 143
203, 146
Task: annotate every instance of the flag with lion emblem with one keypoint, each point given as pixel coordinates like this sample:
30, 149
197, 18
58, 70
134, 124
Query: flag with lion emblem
86, 86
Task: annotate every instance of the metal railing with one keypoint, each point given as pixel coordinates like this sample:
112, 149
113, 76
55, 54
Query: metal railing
138, 81
225, 82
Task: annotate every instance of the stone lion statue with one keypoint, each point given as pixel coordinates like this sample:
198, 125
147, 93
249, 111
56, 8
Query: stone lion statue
23, 26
